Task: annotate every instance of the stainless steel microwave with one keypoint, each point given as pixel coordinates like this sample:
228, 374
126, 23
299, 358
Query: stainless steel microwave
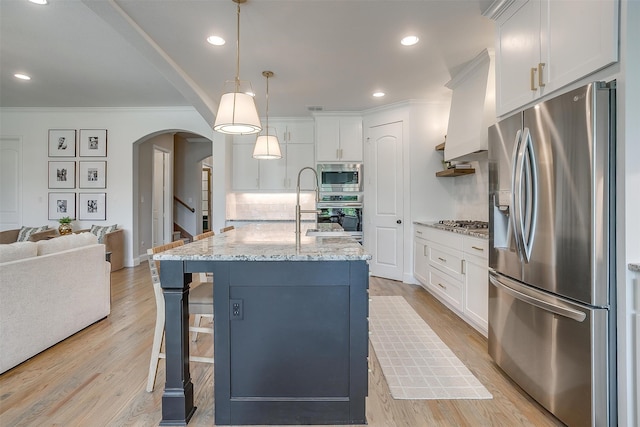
340, 177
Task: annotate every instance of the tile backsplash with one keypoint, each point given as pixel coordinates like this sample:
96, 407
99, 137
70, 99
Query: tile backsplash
471, 193
268, 206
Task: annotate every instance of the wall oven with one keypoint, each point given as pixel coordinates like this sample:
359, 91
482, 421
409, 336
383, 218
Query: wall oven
340, 177
343, 209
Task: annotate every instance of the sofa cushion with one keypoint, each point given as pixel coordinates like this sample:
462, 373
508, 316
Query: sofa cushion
101, 230
18, 250
66, 242
26, 232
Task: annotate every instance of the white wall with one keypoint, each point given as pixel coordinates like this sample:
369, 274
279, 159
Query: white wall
143, 191
628, 215
471, 193
125, 126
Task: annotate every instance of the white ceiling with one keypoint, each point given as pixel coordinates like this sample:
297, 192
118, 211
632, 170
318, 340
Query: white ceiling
147, 53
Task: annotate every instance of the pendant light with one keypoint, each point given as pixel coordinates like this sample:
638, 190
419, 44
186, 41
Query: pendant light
237, 113
267, 146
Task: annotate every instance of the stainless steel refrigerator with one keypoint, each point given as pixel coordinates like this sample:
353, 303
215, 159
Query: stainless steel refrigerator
551, 260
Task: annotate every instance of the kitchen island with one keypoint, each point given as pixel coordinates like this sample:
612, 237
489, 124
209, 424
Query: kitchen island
290, 330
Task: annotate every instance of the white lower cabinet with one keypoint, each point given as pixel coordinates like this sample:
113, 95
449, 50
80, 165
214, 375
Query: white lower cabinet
420, 258
476, 285
454, 268
446, 287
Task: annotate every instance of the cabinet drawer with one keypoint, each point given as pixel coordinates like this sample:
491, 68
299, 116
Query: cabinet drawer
446, 260
445, 238
476, 247
446, 287
420, 231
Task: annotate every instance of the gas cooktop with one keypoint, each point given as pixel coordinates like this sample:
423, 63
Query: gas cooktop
466, 224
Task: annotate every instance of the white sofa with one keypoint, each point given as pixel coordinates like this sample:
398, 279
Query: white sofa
50, 290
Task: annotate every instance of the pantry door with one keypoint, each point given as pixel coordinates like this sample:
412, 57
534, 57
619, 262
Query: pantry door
387, 195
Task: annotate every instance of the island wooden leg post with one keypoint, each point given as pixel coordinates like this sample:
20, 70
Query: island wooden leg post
177, 400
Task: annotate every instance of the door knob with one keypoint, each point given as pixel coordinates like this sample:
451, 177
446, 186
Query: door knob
399, 221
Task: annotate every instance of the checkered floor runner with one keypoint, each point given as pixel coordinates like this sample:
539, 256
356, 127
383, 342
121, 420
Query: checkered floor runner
415, 362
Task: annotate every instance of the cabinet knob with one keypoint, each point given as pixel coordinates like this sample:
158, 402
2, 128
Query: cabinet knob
399, 221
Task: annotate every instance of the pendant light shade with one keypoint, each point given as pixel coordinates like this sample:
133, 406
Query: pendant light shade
267, 146
237, 113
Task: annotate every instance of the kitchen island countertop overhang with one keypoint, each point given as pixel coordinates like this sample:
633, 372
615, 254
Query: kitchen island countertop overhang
269, 242
294, 348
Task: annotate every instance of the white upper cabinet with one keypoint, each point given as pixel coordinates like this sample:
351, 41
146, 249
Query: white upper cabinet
245, 169
473, 107
297, 147
298, 157
544, 45
339, 138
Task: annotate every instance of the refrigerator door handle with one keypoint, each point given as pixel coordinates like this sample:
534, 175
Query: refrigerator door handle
528, 215
515, 193
543, 305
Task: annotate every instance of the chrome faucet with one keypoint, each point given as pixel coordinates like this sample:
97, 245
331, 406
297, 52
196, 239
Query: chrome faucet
299, 211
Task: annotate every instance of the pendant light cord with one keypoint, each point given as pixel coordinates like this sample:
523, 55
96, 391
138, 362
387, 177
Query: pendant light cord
238, 51
267, 106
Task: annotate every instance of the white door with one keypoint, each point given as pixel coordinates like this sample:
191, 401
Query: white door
385, 178
10, 183
162, 198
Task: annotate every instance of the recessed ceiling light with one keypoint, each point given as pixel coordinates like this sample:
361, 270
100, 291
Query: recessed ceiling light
21, 76
378, 94
39, 1
216, 40
409, 40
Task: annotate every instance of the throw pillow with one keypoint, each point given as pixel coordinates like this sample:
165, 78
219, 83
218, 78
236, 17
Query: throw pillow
26, 232
100, 231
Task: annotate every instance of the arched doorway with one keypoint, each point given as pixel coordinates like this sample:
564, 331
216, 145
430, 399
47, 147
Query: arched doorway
167, 166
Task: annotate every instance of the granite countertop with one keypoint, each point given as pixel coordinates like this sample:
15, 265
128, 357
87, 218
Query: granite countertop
481, 233
269, 242
634, 267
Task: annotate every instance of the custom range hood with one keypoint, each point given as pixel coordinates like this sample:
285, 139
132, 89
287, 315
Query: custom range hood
473, 109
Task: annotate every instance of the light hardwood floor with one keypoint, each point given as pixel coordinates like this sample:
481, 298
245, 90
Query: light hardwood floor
97, 377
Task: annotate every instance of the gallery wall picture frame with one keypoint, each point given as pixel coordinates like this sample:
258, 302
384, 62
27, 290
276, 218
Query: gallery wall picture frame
92, 174
92, 206
93, 142
62, 142
62, 204
62, 174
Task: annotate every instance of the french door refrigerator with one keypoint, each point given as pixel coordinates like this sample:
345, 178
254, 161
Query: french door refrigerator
551, 259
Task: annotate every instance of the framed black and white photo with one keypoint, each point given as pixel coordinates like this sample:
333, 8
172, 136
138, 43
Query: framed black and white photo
62, 204
62, 174
93, 174
92, 206
62, 142
93, 142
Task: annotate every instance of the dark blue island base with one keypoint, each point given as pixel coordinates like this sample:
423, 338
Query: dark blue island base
290, 343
